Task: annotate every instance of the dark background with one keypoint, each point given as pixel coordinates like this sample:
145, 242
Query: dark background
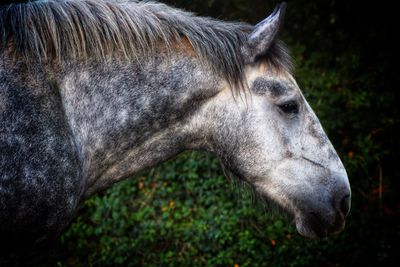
184, 212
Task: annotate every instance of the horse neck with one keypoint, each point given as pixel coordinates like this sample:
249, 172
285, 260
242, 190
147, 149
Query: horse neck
127, 117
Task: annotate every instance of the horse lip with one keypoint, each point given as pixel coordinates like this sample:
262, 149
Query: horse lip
316, 226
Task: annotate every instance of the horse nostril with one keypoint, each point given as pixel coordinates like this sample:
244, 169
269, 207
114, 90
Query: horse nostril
345, 205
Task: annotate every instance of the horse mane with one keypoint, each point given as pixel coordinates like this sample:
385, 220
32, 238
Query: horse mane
88, 29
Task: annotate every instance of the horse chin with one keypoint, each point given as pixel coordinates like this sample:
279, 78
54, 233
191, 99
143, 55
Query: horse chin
311, 231
315, 227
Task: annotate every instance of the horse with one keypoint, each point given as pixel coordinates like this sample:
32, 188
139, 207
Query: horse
92, 92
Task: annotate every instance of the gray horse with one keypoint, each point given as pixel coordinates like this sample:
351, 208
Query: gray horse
92, 92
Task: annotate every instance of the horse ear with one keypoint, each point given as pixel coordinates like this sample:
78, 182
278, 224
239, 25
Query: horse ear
265, 32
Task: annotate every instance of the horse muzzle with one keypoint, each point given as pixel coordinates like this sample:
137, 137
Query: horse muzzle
321, 219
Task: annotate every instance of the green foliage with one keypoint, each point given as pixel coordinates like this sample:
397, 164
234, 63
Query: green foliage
185, 213
181, 213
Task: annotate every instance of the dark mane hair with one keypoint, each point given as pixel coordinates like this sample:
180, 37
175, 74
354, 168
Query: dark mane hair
59, 29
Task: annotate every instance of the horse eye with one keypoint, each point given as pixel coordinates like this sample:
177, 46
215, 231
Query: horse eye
290, 107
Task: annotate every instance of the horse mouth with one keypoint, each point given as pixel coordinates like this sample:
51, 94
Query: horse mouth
315, 226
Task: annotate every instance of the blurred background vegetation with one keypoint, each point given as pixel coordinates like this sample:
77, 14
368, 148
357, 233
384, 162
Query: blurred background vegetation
185, 213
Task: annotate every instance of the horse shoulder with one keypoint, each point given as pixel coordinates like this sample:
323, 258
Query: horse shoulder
40, 168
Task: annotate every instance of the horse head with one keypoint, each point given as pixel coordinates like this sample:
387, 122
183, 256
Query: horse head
273, 140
